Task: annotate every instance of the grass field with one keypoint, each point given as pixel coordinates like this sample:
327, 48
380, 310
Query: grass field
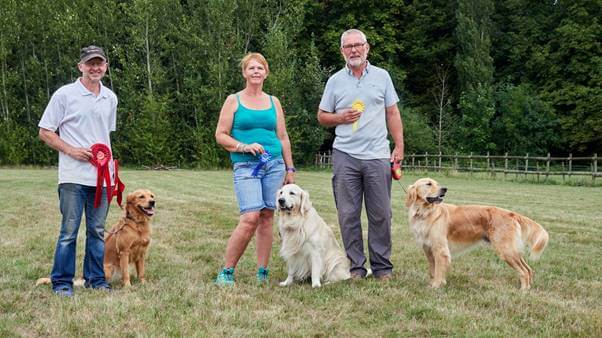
196, 212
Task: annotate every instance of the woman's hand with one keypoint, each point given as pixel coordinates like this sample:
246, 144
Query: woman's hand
290, 178
253, 148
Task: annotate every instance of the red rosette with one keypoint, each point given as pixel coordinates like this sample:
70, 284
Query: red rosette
101, 155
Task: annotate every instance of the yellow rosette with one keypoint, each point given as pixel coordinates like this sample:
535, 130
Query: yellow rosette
359, 106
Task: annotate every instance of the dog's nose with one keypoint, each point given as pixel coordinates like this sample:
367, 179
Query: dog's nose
443, 190
152, 203
281, 201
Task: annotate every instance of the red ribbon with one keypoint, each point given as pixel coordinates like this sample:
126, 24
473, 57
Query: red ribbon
101, 155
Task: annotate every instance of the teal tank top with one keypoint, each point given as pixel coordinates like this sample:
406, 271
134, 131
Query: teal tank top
255, 126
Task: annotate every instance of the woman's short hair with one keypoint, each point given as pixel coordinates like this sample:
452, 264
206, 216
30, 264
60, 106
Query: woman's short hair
254, 56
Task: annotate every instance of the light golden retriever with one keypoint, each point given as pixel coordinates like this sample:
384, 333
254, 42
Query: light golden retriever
445, 229
128, 240
308, 244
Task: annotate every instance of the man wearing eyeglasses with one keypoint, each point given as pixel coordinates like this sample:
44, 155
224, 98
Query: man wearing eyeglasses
361, 103
84, 113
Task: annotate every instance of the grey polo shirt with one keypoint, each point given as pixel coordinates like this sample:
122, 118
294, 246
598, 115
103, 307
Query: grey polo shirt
82, 119
376, 90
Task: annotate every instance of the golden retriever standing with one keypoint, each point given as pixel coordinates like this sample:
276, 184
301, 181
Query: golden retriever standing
128, 240
445, 229
308, 244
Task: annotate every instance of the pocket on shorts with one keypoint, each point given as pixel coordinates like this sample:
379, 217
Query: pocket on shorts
242, 170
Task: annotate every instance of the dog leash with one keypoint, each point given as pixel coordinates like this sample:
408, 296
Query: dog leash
402, 188
397, 173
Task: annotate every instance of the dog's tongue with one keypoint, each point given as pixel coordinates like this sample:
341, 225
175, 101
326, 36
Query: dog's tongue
150, 212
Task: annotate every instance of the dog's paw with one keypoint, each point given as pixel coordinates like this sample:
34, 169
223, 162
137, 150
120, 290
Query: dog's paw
436, 284
43, 281
316, 285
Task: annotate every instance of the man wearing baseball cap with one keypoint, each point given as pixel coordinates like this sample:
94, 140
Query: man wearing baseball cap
84, 113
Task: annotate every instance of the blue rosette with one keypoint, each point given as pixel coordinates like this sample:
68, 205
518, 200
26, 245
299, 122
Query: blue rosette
263, 159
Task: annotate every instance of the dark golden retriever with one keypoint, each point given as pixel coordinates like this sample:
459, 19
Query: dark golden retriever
445, 229
128, 240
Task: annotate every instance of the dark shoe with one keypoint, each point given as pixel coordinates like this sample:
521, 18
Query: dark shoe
64, 292
104, 288
384, 278
355, 276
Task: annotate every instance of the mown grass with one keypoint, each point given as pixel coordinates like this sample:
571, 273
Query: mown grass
196, 212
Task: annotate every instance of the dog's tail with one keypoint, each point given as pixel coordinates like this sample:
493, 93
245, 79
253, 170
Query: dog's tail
535, 236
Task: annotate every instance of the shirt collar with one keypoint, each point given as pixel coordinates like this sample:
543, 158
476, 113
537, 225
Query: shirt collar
84, 91
365, 71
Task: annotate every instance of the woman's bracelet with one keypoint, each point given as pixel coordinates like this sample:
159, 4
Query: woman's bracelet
241, 147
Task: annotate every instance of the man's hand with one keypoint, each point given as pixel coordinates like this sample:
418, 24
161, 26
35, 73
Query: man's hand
397, 155
349, 115
80, 154
55, 142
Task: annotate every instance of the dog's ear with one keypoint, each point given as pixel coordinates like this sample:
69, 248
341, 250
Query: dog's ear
129, 204
305, 206
411, 195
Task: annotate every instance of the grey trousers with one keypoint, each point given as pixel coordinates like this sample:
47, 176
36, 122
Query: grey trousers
353, 181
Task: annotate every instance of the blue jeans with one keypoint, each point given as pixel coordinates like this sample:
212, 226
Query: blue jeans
74, 199
255, 193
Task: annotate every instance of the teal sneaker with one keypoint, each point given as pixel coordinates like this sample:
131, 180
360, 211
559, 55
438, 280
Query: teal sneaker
263, 275
225, 277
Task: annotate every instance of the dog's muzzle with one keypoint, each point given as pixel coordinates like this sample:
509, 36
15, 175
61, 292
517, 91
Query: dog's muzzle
438, 198
282, 205
148, 210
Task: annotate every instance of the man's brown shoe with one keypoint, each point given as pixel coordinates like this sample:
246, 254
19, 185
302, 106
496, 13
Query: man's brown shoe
356, 276
384, 278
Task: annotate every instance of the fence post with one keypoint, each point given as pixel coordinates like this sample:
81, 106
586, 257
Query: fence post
456, 161
595, 168
426, 159
470, 159
488, 164
526, 164
413, 158
547, 167
570, 164
505, 165
439, 161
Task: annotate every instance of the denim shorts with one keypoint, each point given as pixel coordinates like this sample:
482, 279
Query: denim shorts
255, 193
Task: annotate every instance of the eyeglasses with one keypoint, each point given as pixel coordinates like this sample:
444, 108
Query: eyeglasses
354, 45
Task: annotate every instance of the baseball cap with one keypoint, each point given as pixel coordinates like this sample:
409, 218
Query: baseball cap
90, 52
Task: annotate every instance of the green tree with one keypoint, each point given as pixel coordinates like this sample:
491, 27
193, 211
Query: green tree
474, 66
524, 123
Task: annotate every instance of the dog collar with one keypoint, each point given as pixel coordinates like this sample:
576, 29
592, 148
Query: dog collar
101, 155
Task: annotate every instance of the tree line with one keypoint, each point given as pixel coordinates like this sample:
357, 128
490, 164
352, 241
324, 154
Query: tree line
501, 76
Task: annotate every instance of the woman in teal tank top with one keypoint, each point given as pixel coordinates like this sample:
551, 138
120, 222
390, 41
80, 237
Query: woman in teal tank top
251, 127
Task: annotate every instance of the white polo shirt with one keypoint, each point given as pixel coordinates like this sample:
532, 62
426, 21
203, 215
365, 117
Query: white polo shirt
82, 120
375, 89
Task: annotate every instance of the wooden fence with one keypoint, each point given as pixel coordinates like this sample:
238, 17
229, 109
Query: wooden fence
540, 166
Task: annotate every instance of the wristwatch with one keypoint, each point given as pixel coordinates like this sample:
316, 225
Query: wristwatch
291, 170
